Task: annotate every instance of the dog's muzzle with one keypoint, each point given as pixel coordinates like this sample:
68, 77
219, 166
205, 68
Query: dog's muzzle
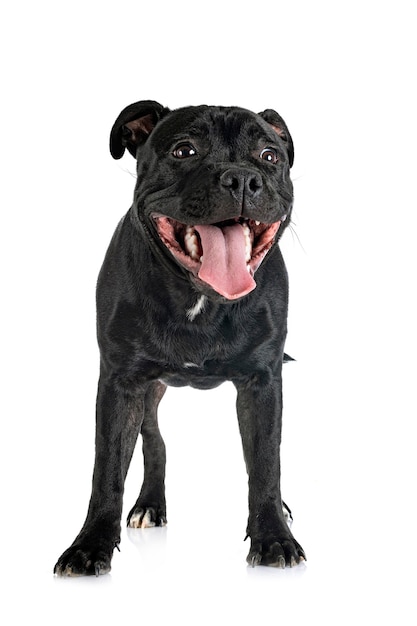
224, 255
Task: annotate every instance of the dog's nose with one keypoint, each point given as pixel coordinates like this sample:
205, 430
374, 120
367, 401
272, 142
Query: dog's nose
241, 182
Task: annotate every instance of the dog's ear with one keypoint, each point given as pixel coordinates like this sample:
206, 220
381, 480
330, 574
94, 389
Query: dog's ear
280, 127
134, 125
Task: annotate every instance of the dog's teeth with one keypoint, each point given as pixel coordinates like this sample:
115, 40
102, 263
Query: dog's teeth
248, 243
258, 223
191, 243
193, 250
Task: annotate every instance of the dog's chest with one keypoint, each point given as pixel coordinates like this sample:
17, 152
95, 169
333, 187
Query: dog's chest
202, 364
201, 356
192, 376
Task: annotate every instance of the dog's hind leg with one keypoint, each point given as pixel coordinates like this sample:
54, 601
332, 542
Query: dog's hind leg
150, 507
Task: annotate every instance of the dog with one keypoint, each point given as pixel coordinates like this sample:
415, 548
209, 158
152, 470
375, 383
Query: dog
193, 291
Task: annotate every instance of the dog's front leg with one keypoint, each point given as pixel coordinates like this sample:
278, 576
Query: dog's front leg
259, 407
118, 420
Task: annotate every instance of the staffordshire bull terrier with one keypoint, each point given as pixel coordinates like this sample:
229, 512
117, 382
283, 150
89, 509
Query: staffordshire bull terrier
193, 291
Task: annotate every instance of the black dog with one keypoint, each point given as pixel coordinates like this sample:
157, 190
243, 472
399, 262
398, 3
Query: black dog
193, 291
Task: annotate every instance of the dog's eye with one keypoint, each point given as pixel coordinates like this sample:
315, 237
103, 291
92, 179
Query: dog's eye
184, 151
270, 155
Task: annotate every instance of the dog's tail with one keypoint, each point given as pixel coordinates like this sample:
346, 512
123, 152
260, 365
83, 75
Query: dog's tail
288, 358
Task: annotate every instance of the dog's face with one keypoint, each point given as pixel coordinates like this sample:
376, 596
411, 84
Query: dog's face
213, 189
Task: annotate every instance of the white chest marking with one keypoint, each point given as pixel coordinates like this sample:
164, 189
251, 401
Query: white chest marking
193, 311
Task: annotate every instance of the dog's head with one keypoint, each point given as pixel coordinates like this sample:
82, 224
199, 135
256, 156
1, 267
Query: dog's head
213, 187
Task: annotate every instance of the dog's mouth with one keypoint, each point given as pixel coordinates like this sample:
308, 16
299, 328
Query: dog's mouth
224, 255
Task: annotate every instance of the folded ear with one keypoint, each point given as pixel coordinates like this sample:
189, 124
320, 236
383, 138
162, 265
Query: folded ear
280, 127
134, 125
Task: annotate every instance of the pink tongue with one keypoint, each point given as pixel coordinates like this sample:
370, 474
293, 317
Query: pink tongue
224, 266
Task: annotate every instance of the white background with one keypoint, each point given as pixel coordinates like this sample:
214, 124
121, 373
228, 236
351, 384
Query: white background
342, 74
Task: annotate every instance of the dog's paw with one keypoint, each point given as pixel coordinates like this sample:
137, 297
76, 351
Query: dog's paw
281, 553
83, 559
146, 517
